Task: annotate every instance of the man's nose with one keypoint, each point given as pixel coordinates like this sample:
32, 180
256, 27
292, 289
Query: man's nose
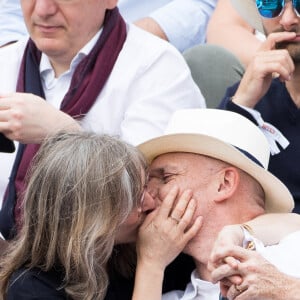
289, 18
149, 202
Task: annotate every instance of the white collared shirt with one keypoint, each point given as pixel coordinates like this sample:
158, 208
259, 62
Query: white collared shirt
150, 80
56, 88
197, 289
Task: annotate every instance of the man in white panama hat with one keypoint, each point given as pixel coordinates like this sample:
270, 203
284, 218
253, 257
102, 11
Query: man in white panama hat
222, 158
268, 93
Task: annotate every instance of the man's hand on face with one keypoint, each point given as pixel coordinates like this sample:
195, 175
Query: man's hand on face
267, 63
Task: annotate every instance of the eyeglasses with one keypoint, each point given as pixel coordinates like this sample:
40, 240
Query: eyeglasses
274, 8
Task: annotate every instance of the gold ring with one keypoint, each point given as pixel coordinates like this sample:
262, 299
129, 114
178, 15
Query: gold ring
175, 219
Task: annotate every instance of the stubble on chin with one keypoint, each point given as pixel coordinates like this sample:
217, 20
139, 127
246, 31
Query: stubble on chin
293, 49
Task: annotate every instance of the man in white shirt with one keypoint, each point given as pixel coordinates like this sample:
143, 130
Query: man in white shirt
92, 69
182, 22
222, 158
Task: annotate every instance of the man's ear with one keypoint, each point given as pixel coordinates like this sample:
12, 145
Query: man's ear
228, 182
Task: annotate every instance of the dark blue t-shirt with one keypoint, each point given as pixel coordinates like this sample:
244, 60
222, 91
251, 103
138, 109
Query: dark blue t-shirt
277, 108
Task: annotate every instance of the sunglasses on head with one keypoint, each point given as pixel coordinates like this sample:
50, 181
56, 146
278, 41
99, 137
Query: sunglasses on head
274, 8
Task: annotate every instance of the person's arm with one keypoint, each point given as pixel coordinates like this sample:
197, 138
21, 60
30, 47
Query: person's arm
151, 26
271, 228
161, 238
257, 278
226, 28
259, 74
182, 22
260, 279
268, 228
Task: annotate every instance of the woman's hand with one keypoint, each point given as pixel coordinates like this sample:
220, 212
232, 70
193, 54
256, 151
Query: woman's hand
163, 235
167, 230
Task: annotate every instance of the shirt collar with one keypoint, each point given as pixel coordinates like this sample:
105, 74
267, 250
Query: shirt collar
198, 286
45, 65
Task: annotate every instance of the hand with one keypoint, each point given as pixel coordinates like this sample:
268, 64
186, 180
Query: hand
167, 230
228, 237
29, 119
260, 279
266, 63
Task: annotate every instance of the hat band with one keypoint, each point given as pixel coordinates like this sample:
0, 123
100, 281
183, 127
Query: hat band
250, 156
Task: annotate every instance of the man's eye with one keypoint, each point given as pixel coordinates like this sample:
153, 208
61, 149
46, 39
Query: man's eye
167, 177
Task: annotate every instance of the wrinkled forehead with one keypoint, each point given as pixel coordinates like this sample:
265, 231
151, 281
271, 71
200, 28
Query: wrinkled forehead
177, 162
171, 157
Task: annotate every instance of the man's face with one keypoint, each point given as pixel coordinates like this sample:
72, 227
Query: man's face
186, 171
287, 21
60, 28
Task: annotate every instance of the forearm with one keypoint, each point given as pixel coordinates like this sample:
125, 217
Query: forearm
184, 22
151, 26
243, 51
271, 228
148, 282
228, 29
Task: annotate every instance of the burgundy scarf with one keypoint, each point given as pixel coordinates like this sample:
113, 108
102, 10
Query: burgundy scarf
86, 84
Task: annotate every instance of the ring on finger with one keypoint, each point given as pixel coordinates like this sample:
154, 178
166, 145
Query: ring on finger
177, 220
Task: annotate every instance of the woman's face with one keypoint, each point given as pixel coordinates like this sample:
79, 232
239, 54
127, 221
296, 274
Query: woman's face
128, 231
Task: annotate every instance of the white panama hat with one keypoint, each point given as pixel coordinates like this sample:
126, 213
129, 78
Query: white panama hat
248, 11
226, 136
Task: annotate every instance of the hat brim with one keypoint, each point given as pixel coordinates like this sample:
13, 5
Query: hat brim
277, 196
248, 11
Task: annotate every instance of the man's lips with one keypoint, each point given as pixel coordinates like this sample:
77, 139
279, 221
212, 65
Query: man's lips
47, 28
